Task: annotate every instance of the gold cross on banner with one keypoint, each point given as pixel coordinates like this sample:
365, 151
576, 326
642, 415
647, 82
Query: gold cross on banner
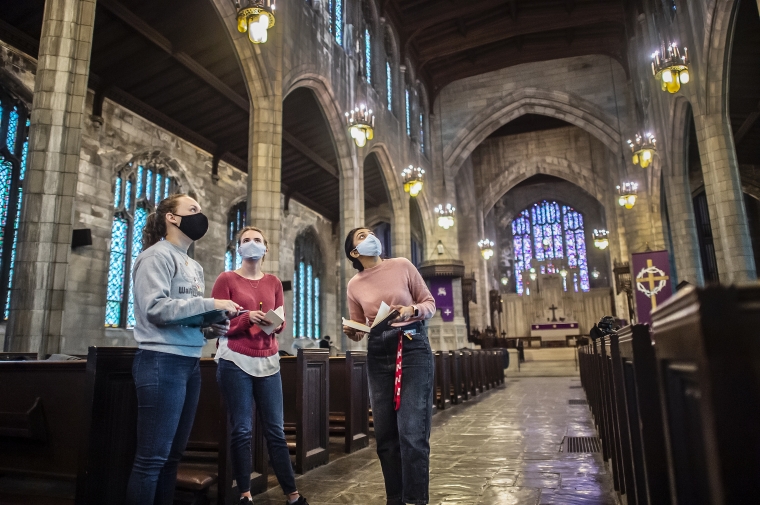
651, 279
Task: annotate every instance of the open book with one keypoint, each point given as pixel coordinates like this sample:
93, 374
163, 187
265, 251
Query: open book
382, 320
276, 317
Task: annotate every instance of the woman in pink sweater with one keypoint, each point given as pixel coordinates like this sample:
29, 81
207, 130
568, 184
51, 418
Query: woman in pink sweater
399, 364
249, 366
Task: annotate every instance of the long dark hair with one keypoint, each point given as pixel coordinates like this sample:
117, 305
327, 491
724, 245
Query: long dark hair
155, 227
350, 247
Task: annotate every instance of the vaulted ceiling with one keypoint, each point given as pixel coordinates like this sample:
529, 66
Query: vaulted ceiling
453, 40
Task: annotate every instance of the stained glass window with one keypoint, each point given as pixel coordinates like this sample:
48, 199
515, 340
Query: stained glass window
389, 85
547, 231
14, 147
236, 221
138, 188
368, 55
408, 113
422, 134
306, 286
336, 19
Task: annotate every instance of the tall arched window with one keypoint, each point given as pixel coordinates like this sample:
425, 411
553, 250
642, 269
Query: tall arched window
307, 286
336, 19
388, 69
14, 146
138, 188
367, 54
547, 231
407, 105
236, 221
422, 122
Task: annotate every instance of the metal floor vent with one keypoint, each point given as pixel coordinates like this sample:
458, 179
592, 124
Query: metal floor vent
583, 444
577, 402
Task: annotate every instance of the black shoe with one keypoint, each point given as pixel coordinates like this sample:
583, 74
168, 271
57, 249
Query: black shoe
300, 501
244, 500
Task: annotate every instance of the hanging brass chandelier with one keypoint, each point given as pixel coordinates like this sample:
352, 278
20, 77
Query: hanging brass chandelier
627, 193
486, 248
670, 67
601, 238
361, 125
445, 216
412, 177
255, 17
643, 149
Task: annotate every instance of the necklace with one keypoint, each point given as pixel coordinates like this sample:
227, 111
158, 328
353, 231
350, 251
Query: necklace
256, 286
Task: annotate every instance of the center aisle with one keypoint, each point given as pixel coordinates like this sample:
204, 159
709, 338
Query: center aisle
505, 447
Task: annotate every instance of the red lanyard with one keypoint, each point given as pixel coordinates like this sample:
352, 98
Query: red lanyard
397, 384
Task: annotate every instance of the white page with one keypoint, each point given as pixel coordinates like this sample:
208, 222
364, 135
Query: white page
276, 317
355, 325
382, 313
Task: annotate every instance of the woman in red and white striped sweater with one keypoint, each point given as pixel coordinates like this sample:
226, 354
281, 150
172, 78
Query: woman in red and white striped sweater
249, 366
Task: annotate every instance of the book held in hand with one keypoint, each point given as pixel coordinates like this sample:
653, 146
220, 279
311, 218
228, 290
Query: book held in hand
276, 317
202, 320
382, 321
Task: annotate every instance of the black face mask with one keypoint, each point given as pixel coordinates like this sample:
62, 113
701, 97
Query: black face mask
194, 226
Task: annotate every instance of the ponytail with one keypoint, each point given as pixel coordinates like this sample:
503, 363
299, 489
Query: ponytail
155, 226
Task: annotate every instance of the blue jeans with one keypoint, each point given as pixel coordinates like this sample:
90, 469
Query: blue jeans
240, 391
168, 387
403, 436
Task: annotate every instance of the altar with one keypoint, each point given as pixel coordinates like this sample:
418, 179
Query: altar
554, 331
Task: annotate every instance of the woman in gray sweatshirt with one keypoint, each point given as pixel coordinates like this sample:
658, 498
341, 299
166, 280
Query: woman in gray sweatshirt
168, 285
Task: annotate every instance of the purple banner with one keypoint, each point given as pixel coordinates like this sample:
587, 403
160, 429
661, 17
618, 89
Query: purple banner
441, 289
650, 273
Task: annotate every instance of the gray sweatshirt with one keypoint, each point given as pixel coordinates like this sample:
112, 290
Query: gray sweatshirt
168, 285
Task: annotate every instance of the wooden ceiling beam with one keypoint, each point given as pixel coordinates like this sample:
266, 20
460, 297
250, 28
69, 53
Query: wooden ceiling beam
498, 29
156, 38
434, 14
310, 154
746, 126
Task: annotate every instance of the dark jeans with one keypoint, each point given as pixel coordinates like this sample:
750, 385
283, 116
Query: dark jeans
240, 391
168, 386
403, 436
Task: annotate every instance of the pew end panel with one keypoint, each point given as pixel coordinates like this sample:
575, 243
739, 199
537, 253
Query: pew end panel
455, 363
707, 354
108, 452
357, 425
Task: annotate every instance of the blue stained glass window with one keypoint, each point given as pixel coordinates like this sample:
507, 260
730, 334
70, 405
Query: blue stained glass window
140, 174
116, 268
228, 261
24, 154
128, 194
408, 114
389, 85
309, 301
158, 189
141, 217
317, 332
235, 223
422, 134
336, 19
6, 178
12, 130
301, 300
368, 55
555, 233
167, 185
16, 223
117, 193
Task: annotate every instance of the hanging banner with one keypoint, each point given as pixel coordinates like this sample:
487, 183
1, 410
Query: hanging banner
651, 282
441, 289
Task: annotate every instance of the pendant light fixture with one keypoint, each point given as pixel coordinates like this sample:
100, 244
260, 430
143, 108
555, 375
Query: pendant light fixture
643, 149
361, 125
627, 194
445, 215
601, 238
412, 177
670, 67
255, 17
486, 248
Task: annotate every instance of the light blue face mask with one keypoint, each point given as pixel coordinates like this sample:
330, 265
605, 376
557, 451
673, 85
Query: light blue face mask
370, 246
252, 250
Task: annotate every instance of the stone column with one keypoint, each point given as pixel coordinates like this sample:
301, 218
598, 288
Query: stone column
351, 216
55, 136
401, 229
728, 217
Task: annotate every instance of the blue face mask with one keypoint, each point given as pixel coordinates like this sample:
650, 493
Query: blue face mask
370, 246
252, 250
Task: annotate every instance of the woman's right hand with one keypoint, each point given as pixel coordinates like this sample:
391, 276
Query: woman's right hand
353, 333
231, 307
259, 317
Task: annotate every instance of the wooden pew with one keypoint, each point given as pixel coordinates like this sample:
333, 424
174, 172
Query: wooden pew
475, 369
611, 435
482, 368
639, 374
707, 354
306, 395
466, 359
207, 459
349, 396
41, 417
624, 443
442, 380
455, 363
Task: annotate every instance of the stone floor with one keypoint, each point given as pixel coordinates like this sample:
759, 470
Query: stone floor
502, 448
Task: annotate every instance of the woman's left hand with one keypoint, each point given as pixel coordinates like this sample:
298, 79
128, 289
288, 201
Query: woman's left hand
404, 313
219, 329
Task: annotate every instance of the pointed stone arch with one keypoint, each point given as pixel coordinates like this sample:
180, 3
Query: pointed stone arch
721, 34
570, 108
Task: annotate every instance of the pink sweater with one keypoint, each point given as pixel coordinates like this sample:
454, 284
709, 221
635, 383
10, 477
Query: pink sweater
395, 281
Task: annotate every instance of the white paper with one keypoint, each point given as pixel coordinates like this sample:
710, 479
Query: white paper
276, 317
382, 313
355, 325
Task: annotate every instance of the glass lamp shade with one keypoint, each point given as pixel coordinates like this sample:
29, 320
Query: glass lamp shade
445, 222
504, 280
415, 188
256, 20
683, 76
630, 201
487, 253
595, 273
563, 272
533, 274
601, 243
445, 216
